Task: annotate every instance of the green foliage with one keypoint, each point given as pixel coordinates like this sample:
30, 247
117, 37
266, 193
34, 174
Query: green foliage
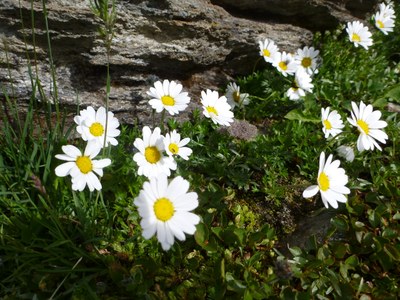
360, 255
57, 243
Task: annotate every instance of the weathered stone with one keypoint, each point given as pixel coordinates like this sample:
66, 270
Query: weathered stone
312, 14
196, 42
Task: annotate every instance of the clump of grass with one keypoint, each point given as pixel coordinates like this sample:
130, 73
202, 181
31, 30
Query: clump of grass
60, 243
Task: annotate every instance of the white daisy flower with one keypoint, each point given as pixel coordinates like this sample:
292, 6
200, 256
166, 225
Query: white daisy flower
285, 63
331, 182
346, 152
308, 59
387, 10
92, 126
150, 158
332, 123
384, 24
165, 210
82, 167
175, 146
368, 124
301, 85
268, 50
216, 108
359, 34
294, 93
234, 97
169, 96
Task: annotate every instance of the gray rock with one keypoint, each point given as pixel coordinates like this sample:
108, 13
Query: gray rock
311, 14
197, 42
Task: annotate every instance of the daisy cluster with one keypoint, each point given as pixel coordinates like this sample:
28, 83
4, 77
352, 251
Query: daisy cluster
302, 65
364, 118
383, 19
168, 96
331, 178
166, 206
99, 129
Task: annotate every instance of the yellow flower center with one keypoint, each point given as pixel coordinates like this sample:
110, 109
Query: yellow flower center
152, 154
173, 148
168, 100
283, 65
236, 96
363, 125
96, 129
356, 38
84, 164
380, 24
306, 62
327, 124
163, 209
212, 110
266, 53
323, 182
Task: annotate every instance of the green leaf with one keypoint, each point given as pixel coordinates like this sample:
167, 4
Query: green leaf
396, 216
247, 295
385, 260
229, 237
222, 268
394, 92
311, 243
315, 264
352, 261
379, 103
389, 233
203, 238
217, 231
323, 253
374, 218
368, 239
234, 284
255, 237
344, 270
201, 235
339, 250
254, 259
334, 281
296, 251
340, 222
241, 234
378, 243
295, 114
303, 296
232, 236
392, 251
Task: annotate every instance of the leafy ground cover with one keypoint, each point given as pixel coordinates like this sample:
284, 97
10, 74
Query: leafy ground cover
59, 242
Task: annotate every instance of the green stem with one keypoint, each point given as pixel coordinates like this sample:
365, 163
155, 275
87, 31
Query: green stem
162, 121
336, 138
52, 67
256, 63
108, 90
